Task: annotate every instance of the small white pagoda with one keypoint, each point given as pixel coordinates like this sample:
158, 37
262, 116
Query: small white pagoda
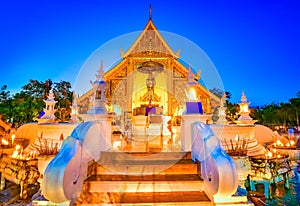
99, 87
48, 116
244, 119
74, 108
222, 111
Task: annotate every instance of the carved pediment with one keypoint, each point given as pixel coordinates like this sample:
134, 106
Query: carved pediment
150, 42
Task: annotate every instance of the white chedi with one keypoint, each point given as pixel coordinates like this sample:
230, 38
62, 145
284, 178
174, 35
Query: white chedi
49, 110
99, 99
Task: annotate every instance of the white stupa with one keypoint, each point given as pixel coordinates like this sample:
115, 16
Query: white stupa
99, 87
245, 118
49, 110
222, 111
74, 108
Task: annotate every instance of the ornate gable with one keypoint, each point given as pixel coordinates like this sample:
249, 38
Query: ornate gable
150, 43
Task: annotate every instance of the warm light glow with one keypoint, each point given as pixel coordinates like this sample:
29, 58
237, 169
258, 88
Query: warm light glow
292, 142
192, 95
222, 112
13, 138
19, 155
74, 111
15, 154
278, 142
244, 107
270, 154
107, 108
110, 108
116, 144
278, 156
4, 142
274, 150
236, 137
288, 144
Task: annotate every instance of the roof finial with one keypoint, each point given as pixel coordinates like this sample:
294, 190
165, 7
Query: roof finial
100, 75
150, 12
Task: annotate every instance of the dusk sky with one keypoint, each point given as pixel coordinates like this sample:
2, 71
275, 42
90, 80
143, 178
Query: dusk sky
254, 45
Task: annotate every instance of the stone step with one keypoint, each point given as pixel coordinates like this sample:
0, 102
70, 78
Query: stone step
191, 198
140, 178
114, 155
157, 177
127, 167
145, 183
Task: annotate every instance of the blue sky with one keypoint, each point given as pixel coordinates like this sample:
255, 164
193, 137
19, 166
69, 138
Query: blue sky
254, 45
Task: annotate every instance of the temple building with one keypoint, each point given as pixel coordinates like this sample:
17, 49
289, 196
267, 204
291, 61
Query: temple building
146, 137
150, 79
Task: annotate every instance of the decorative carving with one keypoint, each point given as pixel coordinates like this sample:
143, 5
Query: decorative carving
179, 92
122, 72
119, 94
113, 85
150, 44
178, 74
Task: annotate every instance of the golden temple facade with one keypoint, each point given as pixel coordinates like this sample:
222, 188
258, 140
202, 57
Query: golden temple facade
128, 88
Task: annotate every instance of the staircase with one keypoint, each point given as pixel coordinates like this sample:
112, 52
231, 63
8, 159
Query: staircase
165, 178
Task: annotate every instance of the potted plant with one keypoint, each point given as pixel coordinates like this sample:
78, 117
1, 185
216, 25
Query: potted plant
47, 150
238, 151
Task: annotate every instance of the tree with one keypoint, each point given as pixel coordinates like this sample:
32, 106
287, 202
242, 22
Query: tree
268, 115
295, 104
232, 109
283, 113
38, 91
26, 105
219, 93
6, 104
4, 95
64, 97
298, 95
34, 93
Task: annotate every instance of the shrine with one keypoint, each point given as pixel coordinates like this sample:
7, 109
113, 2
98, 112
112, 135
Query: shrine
150, 78
144, 134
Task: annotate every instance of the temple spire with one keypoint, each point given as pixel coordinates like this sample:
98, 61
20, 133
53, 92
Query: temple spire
100, 75
243, 98
150, 12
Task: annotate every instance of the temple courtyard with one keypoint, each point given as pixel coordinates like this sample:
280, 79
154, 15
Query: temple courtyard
148, 132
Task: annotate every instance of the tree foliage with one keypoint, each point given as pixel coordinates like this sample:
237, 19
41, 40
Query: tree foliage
274, 115
284, 115
232, 108
26, 105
